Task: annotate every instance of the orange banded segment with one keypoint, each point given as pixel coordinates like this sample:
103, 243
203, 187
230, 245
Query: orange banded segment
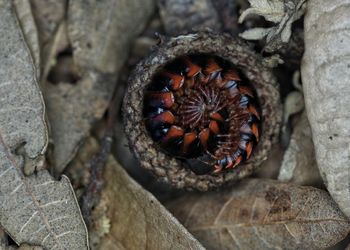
255, 131
214, 127
216, 116
188, 139
166, 99
204, 137
173, 132
192, 69
176, 80
249, 149
211, 67
253, 110
231, 74
246, 91
166, 117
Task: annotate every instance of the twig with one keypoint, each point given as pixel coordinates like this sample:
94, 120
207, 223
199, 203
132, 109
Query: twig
97, 163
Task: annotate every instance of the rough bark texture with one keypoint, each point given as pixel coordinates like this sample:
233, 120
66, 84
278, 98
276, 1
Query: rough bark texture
326, 83
170, 169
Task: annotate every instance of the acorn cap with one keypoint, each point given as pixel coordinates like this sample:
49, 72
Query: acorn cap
175, 171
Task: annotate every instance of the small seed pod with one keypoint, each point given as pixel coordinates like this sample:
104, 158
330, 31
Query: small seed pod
202, 111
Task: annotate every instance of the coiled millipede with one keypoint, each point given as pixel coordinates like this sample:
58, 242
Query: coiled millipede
202, 111
200, 106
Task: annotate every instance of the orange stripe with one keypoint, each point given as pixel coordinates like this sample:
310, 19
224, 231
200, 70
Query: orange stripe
214, 127
173, 132
249, 149
188, 139
211, 67
167, 98
255, 131
231, 75
176, 80
216, 116
192, 69
166, 117
204, 137
246, 91
253, 110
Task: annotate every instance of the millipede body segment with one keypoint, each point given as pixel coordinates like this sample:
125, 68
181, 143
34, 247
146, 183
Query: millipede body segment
201, 107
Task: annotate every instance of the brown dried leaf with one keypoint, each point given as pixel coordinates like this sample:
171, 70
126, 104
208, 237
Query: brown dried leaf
326, 82
48, 15
129, 217
263, 214
101, 33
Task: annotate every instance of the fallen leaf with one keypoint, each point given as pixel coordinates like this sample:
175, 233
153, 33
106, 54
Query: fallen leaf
21, 103
72, 110
100, 33
272, 10
263, 214
48, 16
22, 247
299, 163
34, 209
129, 217
326, 83
26, 19
37, 209
281, 12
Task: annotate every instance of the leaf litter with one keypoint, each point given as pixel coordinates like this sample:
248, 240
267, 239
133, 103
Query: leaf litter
33, 209
282, 13
258, 213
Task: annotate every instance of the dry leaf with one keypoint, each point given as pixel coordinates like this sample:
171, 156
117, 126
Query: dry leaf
299, 162
22, 247
263, 214
272, 10
34, 209
129, 217
101, 33
281, 12
37, 209
326, 82
25, 17
21, 104
48, 15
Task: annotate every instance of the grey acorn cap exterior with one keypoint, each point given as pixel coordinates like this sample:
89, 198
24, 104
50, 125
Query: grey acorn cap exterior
170, 169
